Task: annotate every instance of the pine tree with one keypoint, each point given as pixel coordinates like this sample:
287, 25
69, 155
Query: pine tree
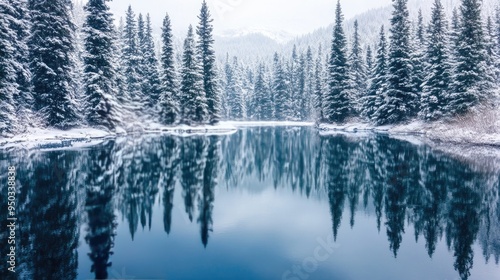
369, 60
264, 107
131, 59
234, 90
418, 55
280, 92
151, 84
319, 87
470, 85
497, 48
23, 99
292, 78
169, 109
309, 90
378, 83
99, 69
8, 83
336, 103
357, 72
194, 109
207, 58
436, 88
52, 49
401, 102
492, 56
301, 98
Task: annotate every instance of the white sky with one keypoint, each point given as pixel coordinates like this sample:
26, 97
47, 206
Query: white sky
293, 16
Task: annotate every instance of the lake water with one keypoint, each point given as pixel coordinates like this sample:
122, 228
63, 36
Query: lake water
264, 203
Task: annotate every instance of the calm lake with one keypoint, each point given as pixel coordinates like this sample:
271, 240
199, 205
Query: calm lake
263, 203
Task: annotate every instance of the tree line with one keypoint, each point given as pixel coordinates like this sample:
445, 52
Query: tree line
430, 71
117, 79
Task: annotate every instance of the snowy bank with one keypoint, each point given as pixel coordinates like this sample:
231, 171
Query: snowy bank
479, 129
36, 138
267, 123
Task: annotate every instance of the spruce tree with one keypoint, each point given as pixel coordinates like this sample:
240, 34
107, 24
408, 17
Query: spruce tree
376, 94
492, 56
52, 48
309, 91
132, 59
8, 83
497, 48
357, 72
194, 109
336, 103
402, 102
470, 83
280, 92
264, 109
436, 87
23, 99
301, 109
99, 68
169, 109
369, 60
207, 57
151, 84
418, 54
319, 87
234, 90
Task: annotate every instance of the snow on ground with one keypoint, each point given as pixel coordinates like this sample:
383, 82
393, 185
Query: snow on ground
266, 123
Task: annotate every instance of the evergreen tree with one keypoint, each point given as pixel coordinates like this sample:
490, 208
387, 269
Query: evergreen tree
492, 56
497, 48
99, 68
264, 107
470, 83
52, 50
280, 92
357, 72
436, 88
151, 84
309, 84
234, 90
319, 87
169, 110
23, 99
194, 108
418, 54
293, 87
376, 94
207, 58
369, 60
336, 103
301, 97
132, 59
8, 82
401, 102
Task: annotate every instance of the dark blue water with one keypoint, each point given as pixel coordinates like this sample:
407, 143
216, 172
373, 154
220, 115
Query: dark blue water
264, 203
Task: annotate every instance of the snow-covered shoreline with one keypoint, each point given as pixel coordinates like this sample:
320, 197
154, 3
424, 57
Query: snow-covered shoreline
453, 133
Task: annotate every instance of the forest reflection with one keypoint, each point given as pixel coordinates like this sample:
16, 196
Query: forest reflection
442, 198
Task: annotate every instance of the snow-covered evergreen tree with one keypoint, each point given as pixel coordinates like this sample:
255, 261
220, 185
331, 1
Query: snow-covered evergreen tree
207, 57
23, 99
336, 103
470, 84
418, 45
437, 85
280, 93
194, 109
376, 94
369, 60
262, 95
357, 72
151, 84
131, 59
99, 69
169, 109
402, 102
52, 47
492, 56
309, 84
319, 87
234, 90
8, 81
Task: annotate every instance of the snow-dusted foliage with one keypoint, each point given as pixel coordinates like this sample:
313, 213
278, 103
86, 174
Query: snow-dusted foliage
52, 50
151, 84
206, 55
101, 106
437, 84
193, 101
169, 105
336, 102
234, 90
357, 72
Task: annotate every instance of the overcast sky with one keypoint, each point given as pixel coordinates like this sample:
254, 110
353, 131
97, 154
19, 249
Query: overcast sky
293, 16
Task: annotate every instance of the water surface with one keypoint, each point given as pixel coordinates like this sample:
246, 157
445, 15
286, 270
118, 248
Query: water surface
264, 203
